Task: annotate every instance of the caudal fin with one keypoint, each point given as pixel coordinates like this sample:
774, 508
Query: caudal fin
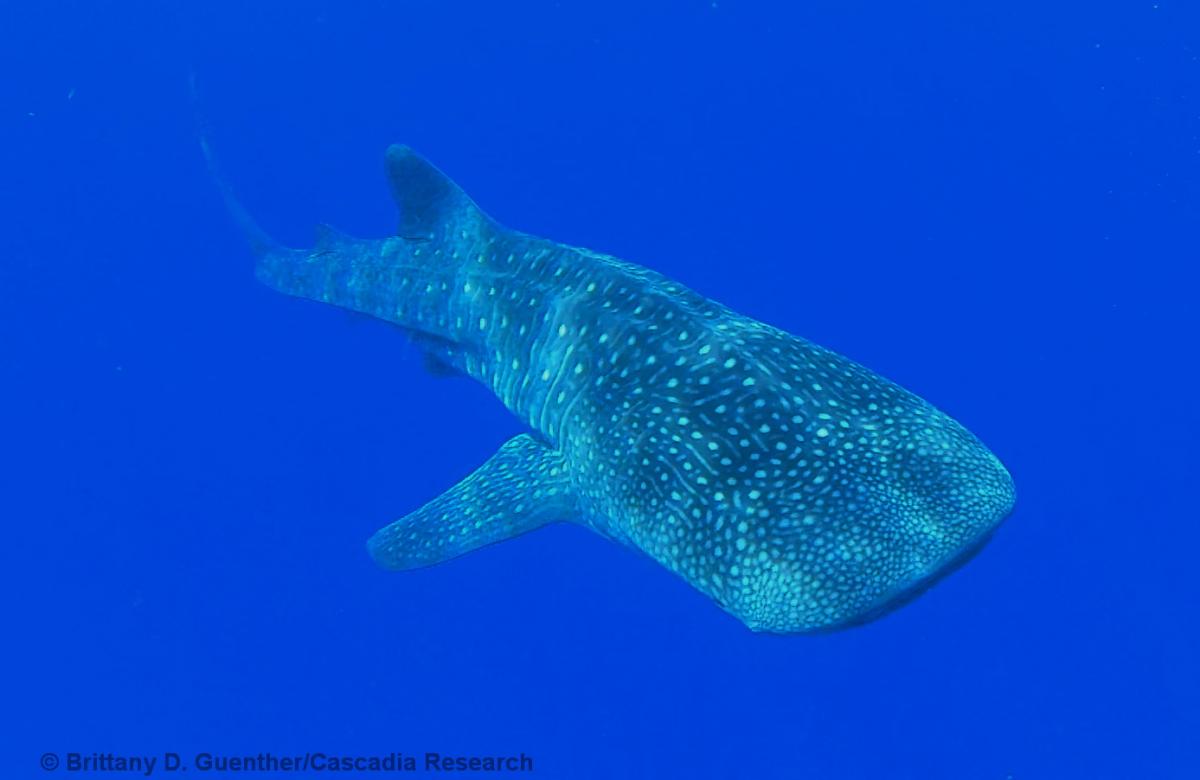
260, 242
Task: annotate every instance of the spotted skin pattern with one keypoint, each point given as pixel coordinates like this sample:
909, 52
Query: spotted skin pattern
795, 488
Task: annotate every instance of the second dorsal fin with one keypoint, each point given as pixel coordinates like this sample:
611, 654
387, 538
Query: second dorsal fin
327, 236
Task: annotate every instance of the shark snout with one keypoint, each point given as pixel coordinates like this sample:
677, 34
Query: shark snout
859, 560
943, 524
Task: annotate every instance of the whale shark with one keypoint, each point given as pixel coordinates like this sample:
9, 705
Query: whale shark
795, 488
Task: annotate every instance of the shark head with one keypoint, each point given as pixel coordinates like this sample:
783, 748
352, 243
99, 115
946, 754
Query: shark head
850, 539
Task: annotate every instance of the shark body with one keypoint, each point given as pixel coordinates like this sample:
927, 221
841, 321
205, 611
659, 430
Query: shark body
795, 488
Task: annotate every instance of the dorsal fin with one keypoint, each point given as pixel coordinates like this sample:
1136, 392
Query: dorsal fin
429, 201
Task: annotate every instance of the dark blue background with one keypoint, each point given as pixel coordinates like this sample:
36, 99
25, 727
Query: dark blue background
995, 205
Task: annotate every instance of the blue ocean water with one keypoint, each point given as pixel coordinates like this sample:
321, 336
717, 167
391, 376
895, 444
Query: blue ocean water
995, 205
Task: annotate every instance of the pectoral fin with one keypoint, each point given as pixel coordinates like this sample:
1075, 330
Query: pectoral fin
520, 488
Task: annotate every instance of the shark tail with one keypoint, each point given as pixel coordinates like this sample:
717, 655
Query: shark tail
439, 227
260, 241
